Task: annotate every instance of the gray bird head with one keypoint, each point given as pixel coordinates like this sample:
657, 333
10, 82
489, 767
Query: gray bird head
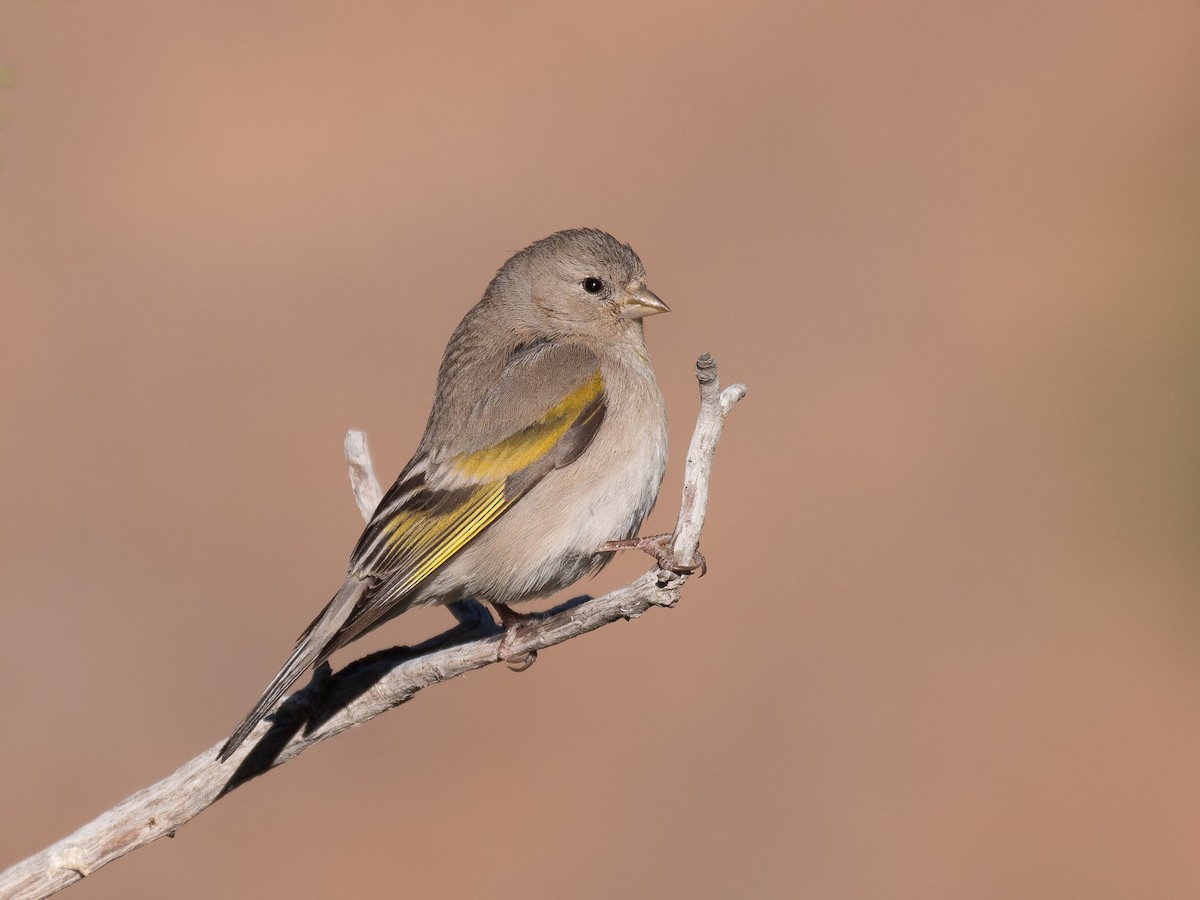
577, 283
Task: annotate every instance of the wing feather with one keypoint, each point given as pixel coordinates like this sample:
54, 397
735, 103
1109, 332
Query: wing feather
418, 528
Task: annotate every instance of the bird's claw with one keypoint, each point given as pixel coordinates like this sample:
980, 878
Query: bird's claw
510, 621
520, 663
660, 547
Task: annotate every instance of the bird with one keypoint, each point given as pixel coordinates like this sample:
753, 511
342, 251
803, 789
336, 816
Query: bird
546, 444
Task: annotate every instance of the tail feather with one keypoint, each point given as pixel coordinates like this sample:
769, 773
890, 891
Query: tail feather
312, 646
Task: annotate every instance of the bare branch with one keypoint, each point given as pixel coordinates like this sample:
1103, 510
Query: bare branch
362, 474
715, 405
375, 683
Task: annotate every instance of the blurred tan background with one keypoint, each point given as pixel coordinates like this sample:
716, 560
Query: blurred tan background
949, 645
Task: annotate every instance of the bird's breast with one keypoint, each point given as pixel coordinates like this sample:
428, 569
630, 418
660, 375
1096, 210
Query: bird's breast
550, 537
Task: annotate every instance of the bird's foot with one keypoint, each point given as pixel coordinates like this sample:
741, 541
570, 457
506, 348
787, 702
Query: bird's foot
659, 546
510, 621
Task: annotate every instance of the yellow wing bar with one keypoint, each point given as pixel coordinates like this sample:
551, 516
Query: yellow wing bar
435, 540
532, 443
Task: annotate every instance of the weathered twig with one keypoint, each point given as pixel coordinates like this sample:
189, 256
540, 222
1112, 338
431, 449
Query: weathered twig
376, 683
363, 482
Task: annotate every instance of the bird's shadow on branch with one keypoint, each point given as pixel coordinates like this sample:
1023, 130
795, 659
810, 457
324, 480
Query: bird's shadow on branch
328, 692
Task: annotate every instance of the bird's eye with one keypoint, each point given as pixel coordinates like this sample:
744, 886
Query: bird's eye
593, 285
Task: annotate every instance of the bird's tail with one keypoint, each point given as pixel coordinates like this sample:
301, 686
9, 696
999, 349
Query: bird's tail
309, 649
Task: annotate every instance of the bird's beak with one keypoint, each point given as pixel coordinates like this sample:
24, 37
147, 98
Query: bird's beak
639, 301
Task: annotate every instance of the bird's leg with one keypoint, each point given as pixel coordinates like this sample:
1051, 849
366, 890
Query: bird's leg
659, 546
510, 620
471, 613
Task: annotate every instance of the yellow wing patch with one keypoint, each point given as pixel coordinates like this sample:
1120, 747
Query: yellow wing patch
416, 541
434, 538
530, 444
